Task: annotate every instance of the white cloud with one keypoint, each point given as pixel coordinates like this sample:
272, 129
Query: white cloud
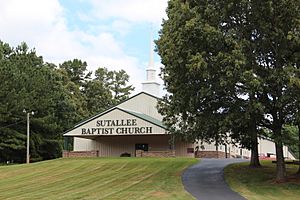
21, 20
120, 26
151, 11
42, 25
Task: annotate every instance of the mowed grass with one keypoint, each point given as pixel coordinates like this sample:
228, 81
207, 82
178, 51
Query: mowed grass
96, 178
259, 184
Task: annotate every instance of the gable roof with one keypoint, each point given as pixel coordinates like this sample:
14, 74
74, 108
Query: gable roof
145, 117
109, 109
136, 114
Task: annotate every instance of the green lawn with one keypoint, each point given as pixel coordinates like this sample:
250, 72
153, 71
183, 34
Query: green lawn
96, 178
259, 184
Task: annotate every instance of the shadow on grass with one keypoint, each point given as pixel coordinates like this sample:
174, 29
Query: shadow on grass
259, 183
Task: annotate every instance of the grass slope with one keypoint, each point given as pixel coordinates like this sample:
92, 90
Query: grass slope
96, 178
259, 184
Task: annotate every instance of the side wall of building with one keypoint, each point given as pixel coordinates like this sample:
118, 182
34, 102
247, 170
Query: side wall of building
117, 145
184, 149
266, 146
82, 144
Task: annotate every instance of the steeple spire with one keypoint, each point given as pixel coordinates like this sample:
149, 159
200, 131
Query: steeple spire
151, 56
151, 85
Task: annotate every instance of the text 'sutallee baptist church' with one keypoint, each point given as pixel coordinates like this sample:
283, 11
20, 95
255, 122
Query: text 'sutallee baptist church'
135, 128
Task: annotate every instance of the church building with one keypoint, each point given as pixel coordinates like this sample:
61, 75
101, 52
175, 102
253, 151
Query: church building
134, 128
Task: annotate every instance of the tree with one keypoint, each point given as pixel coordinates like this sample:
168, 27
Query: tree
98, 97
76, 71
75, 93
292, 138
273, 24
225, 57
28, 83
116, 82
60, 97
294, 88
202, 61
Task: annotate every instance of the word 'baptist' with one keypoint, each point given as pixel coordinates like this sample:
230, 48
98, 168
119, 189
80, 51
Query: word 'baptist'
124, 126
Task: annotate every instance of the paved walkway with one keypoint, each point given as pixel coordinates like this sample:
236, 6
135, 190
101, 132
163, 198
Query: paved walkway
205, 180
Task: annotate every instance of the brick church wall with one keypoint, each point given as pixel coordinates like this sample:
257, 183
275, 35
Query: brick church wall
211, 154
78, 154
155, 154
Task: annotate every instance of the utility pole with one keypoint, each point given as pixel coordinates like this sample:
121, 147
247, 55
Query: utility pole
27, 152
28, 136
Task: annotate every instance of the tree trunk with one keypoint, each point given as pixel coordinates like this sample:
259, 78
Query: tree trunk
217, 146
254, 162
298, 148
280, 165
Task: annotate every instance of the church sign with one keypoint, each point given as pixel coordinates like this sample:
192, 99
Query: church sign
116, 127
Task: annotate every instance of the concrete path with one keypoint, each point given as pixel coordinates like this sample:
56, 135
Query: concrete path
205, 180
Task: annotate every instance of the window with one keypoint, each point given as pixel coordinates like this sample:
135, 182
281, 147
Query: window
143, 147
190, 150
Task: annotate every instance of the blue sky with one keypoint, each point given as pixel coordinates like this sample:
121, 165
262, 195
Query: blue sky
108, 33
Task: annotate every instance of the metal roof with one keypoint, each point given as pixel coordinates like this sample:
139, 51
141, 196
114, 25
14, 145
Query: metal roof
146, 118
136, 114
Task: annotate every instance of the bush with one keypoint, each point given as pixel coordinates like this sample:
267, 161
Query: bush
125, 154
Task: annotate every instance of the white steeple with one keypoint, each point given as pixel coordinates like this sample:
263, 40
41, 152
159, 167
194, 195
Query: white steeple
151, 86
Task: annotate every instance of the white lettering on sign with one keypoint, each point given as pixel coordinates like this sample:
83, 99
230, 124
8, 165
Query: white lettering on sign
122, 122
120, 127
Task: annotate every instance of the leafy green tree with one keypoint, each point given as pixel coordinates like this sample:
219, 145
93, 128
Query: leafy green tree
291, 139
274, 24
202, 61
226, 57
294, 88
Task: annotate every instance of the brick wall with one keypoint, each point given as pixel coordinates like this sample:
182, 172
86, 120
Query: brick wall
210, 154
139, 153
78, 154
155, 154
